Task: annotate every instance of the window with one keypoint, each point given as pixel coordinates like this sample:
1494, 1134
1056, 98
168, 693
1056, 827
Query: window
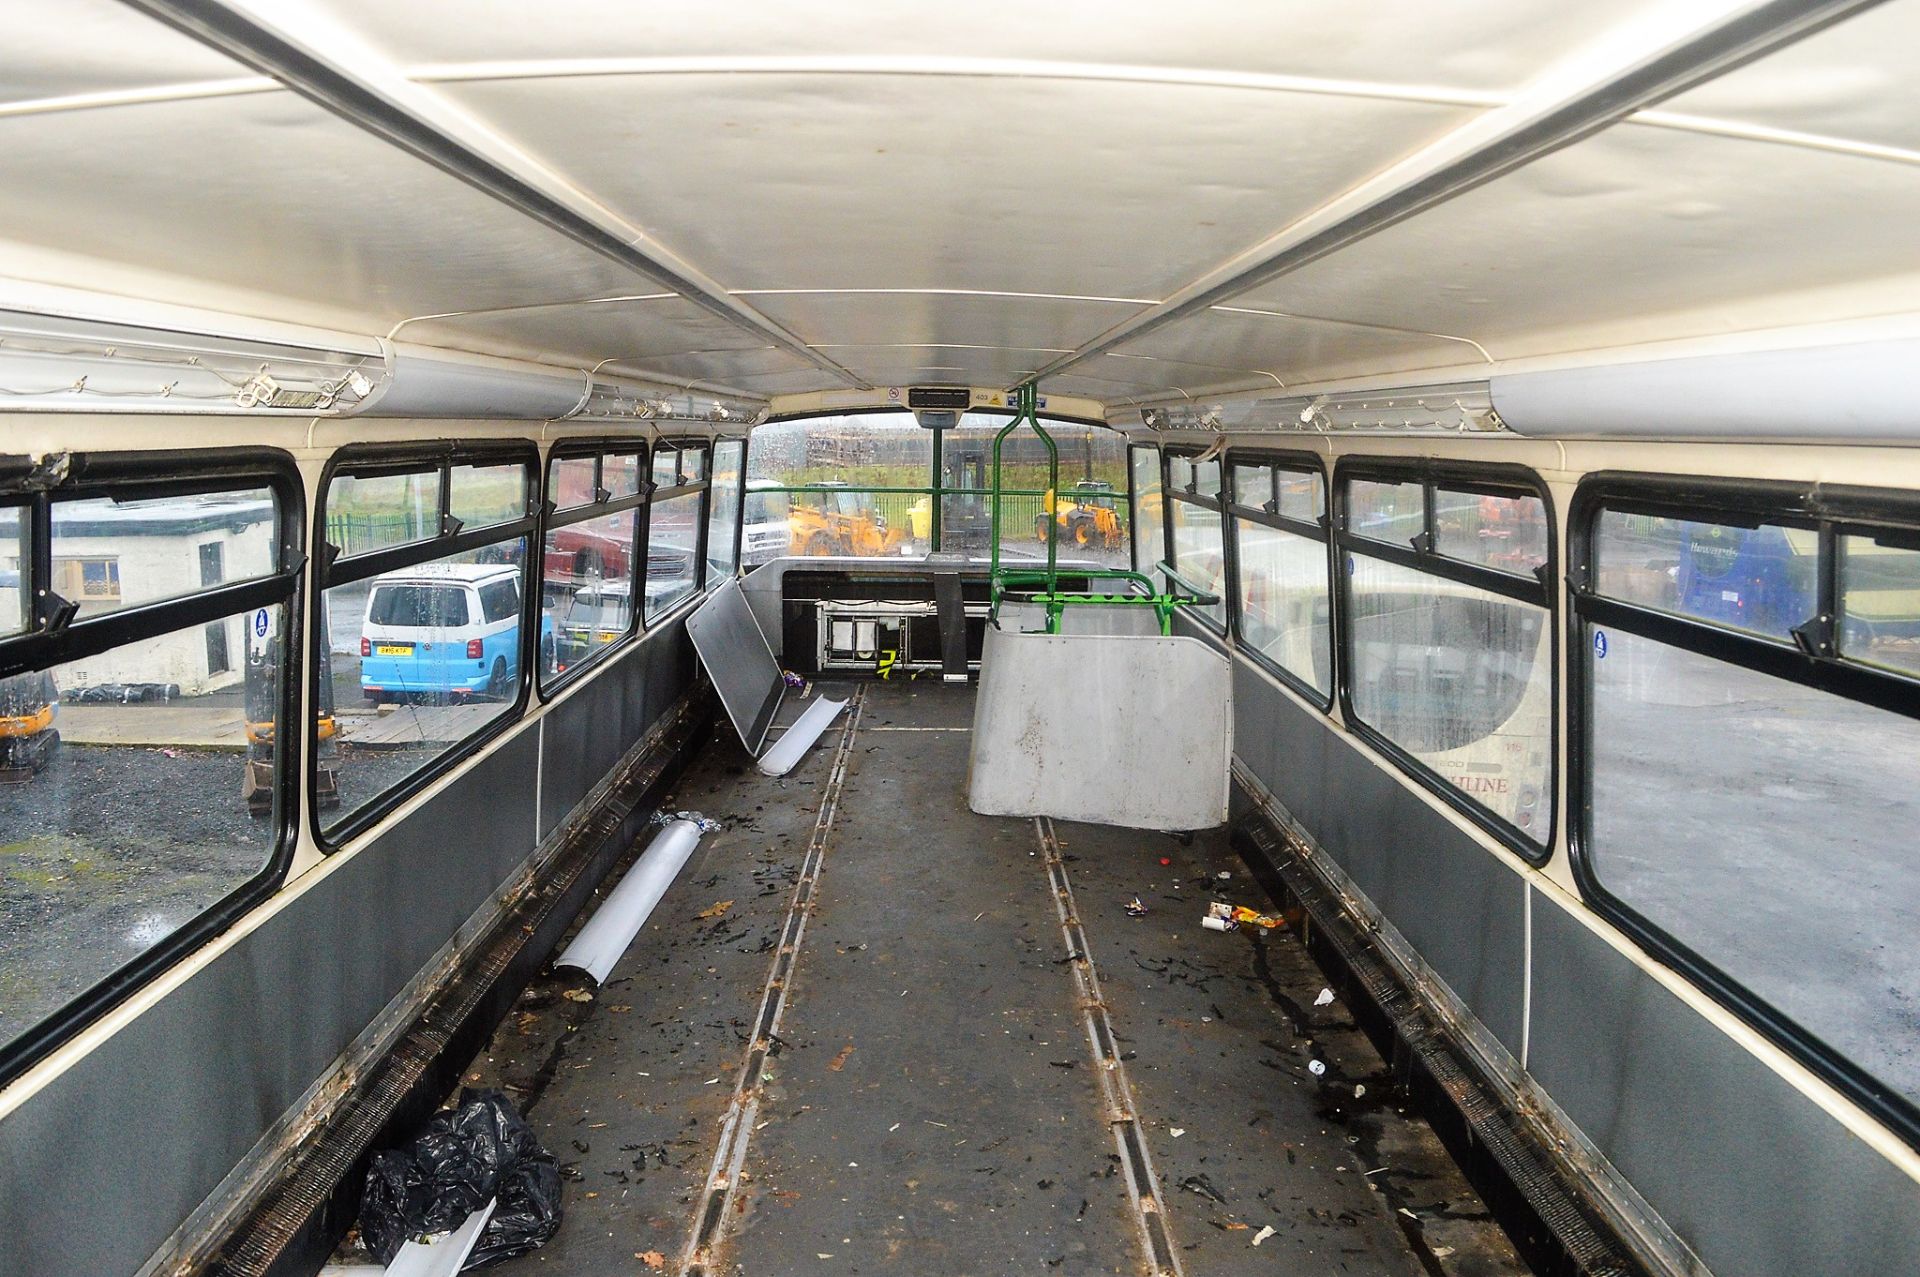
723, 521
425, 650
374, 511
1283, 613
1449, 657
1752, 757
674, 524
1194, 515
1149, 510
111, 553
125, 858
878, 485
589, 556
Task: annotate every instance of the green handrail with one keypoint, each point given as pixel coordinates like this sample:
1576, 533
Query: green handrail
1026, 401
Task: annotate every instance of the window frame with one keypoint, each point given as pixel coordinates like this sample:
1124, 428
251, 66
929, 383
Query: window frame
1216, 502
740, 511
1321, 530
332, 569
1541, 590
1834, 511
33, 489
1133, 512
655, 496
553, 518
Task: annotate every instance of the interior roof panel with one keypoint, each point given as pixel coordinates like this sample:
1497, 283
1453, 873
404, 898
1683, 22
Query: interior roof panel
1032, 323
96, 46
1859, 81
268, 190
591, 331
1021, 185
1219, 347
1493, 45
1634, 232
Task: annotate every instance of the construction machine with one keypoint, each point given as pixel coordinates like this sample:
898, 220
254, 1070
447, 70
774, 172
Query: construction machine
1087, 513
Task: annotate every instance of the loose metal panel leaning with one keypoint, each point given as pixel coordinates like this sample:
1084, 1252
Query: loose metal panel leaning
749, 682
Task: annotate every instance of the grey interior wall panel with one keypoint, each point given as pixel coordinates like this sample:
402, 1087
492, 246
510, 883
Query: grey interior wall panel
1451, 898
98, 1169
594, 727
1752, 1174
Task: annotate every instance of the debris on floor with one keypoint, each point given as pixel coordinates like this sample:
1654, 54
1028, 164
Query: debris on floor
479, 1152
1324, 999
1265, 1232
1225, 917
1135, 909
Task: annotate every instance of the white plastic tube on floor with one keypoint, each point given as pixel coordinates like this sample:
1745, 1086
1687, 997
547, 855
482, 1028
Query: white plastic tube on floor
599, 944
442, 1258
799, 738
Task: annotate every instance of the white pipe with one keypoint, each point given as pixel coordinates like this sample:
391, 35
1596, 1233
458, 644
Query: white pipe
444, 1257
599, 944
799, 738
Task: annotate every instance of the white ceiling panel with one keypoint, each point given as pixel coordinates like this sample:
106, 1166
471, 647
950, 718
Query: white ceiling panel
1033, 323
1020, 185
1857, 82
589, 332
1636, 234
95, 46
268, 191
1491, 45
1218, 347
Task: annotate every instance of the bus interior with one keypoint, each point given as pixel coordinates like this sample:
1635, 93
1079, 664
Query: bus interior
979, 639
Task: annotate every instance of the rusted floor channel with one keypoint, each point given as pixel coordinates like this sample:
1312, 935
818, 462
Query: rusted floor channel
934, 1102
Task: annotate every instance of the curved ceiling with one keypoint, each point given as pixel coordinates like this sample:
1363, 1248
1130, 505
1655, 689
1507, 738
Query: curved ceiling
1138, 201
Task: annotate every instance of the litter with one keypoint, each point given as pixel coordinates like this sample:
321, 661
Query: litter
1223, 875
1265, 1232
1166, 860
651, 1258
577, 995
1204, 1187
1176, 1131
1135, 909
445, 1256
1317, 1067
599, 943
464, 1157
1225, 917
1325, 998
715, 909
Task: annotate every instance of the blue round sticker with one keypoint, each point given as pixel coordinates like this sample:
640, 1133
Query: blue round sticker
1599, 645
260, 623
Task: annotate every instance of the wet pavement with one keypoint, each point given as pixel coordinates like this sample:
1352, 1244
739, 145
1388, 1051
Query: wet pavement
931, 1102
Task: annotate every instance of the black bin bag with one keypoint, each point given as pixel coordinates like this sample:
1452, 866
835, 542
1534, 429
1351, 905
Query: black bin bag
465, 1156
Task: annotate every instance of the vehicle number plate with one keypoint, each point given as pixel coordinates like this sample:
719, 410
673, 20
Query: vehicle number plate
394, 649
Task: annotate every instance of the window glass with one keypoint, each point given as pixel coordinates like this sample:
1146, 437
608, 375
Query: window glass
1508, 534
1302, 496
365, 514
1283, 601
1198, 556
1769, 828
570, 482
485, 495
1880, 604
500, 601
673, 552
1762, 580
112, 554
16, 612
136, 816
1149, 511
765, 532
620, 475
417, 668
1253, 486
666, 467
1179, 472
586, 591
1390, 512
1461, 679
724, 506
693, 463
1206, 478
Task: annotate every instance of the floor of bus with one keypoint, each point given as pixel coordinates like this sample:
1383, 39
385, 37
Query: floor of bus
932, 1103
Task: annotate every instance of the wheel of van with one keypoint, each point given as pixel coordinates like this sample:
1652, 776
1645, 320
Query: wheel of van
498, 684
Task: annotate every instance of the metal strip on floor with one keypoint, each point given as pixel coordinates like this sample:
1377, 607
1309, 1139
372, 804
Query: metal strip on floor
1143, 1187
736, 1128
